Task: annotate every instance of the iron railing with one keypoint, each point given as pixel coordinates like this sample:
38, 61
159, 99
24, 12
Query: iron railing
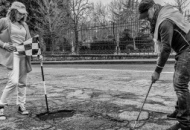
132, 37
110, 38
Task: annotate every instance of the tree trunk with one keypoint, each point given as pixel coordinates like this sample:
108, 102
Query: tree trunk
76, 41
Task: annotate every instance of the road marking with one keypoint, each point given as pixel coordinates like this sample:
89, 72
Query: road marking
138, 71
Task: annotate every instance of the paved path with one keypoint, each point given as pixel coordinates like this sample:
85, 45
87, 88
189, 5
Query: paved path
104, 99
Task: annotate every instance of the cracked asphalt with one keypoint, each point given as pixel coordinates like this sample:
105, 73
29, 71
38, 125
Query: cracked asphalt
104, 97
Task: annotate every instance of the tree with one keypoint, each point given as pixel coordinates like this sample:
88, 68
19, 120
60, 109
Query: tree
51, 18
29, 5
48, 18
78, 10
4, 5
116, 9
99, 14
123, 10
180, 4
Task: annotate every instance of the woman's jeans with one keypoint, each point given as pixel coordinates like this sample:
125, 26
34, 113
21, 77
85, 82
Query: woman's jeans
16, 80
180, 81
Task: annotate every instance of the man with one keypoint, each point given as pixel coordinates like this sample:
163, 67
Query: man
171, 31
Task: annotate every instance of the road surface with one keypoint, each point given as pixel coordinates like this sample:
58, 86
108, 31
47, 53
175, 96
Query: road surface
105, 97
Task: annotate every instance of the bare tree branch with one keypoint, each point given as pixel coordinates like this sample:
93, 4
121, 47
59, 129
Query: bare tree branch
78, 11
50, 18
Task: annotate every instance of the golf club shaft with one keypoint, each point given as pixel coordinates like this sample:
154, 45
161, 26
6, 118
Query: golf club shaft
135, 124
47, 103
42, 70
142, 105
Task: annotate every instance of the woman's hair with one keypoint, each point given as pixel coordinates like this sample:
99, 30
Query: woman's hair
11, 14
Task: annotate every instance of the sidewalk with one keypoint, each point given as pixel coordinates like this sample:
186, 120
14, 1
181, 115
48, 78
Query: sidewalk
126, 61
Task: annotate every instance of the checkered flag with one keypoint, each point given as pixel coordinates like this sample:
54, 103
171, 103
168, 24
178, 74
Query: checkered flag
30, 47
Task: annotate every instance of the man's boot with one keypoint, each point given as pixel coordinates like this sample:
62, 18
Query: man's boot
178, 126
172, 115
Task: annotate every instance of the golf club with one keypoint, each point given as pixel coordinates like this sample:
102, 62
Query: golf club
142, 106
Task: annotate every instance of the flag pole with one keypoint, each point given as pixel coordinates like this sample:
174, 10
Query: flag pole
45, 92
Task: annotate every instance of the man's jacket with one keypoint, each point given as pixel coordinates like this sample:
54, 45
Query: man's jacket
173, 32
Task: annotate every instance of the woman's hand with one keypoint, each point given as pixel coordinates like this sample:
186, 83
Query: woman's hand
9, 48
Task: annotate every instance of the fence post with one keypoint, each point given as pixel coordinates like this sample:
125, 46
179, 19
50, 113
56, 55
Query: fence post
113, 31
117, 41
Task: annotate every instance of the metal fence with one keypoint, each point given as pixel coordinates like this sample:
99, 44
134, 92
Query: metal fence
132, 37
115, 38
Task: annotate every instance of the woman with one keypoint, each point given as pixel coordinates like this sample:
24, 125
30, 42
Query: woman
14, 31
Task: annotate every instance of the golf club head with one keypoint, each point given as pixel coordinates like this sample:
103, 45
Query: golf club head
134, 125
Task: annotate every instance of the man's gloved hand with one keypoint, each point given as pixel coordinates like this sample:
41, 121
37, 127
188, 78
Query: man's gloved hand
155, 77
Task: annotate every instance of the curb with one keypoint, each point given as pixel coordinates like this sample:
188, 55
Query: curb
129, 61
